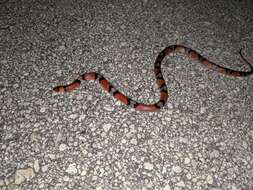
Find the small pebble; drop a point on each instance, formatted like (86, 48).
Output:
(180, 184)
(209, 179)
(148, 166)
(177, 169)
(107, 127)
(73, 116)
(36, 166)
(23, 175)
(63, 147)
(71, 169)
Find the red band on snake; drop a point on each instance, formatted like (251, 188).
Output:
(108, 87)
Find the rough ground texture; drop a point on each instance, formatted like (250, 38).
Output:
(202, 139)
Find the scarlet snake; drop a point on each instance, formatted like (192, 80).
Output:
(107, 86)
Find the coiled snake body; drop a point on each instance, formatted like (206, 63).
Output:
(107, 86)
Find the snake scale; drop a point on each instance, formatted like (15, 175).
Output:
(194, 55)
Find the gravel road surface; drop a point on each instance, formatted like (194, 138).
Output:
(202, 139)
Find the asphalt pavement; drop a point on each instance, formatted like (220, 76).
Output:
(202, 139)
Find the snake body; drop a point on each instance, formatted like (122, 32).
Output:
(107, 86)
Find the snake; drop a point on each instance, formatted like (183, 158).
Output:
(108, 87)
